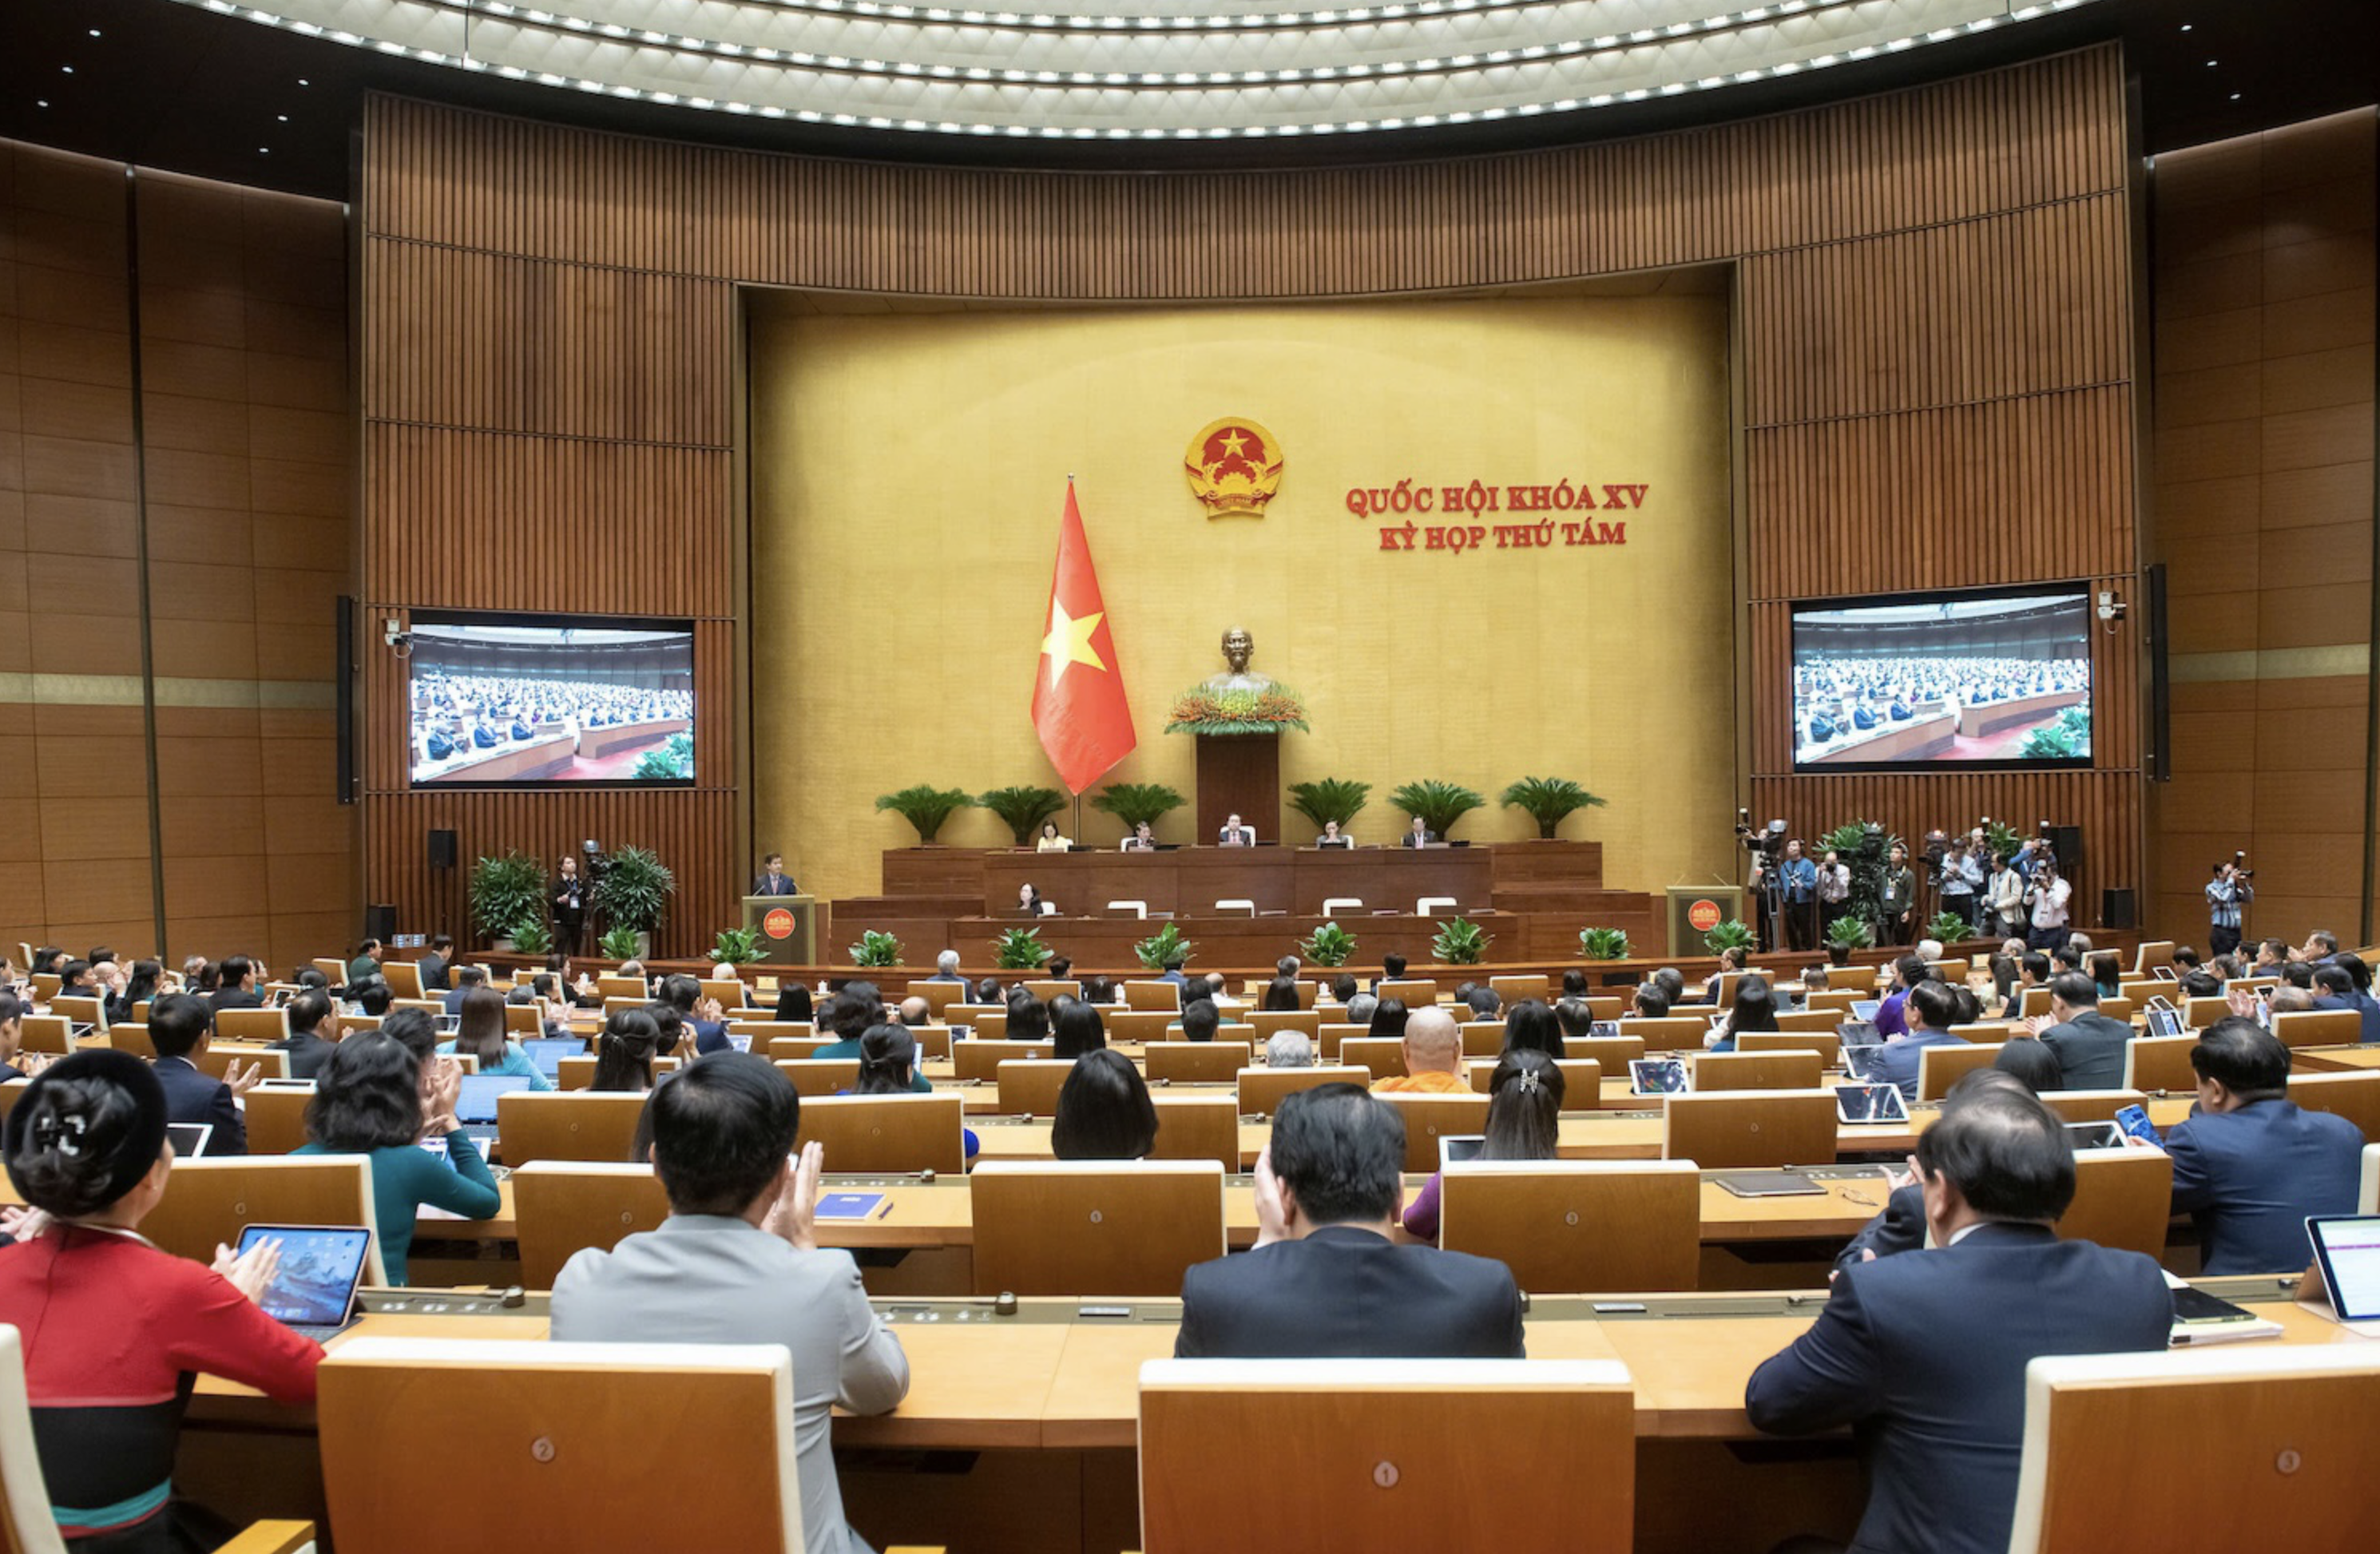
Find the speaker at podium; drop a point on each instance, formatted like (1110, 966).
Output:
(787, 925)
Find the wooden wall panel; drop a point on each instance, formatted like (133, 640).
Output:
(1935, 308)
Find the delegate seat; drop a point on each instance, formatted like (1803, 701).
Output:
(1414, 992)
(276, 1118)
(2091, 1106)
(1381, 1454)
(1430, 1118)
(2160, 1062)
(821, 1077)
(1197, 1127)
(561, 1207)
(208, 1202)
(795, 1049)
(1306, 1022)
(251, 1024)
(2355, 1097)
(921, 1132)
(1793, 1069)
(979, 1057)
(1675, 1033)
(1482, 1039)
(2249, 1448)
(566, 1125)
(1940, 1067)
(1824, 1041)
(1577, 1226)
(1614, 1052)
(1194, 1063)
(2123, 1198)
(2319, 1027)
(1153, 996)
(1730, 1130)
(1382, 1056)
(1513, 989)
(1121, 1228)
(1029, 1086)
(1261, 1089)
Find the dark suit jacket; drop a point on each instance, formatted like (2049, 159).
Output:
(1347, 1294)
(308, 1053)
(2090, 1048)
(1407, 839)
(2364, 1004)
(454, 999)
(783, 885)
(433, 974)
(192, 1095)
(2251, 1177)
(233, 997)
(1899, 1227)
(1924, 1356)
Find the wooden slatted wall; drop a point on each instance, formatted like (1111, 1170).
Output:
(1936, 288)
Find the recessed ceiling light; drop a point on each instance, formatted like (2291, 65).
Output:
(94, 32)
(2210, 64)
(264, 151)
(2235, 97)
(66, 69)
(2185, 26)
(41, 102)
(282, 118)
(303, 82)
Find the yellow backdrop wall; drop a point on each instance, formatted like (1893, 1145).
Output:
(908, 471)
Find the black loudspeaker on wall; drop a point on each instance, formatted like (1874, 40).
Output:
(442, 849)
(380, 921)
(343, 679)
(2068, 841)
(2115, 910)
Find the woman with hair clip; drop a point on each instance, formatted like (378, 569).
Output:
(114, 1328)
(1524, 1102)
(625, 1052)
(1754, 1009)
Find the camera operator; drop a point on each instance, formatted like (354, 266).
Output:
(1834, 890)
(1957, 877)
(1797, 878)
(2048, 895)
(2225, 894)
(1769, 883)
(1899, 896)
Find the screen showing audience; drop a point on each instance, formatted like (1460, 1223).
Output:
(535, 700)
(1996, 679)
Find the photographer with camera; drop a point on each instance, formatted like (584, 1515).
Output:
(1897, 897)
(2226, 893)
(1769, 882)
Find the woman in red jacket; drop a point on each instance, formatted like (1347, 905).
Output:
(115, 1330)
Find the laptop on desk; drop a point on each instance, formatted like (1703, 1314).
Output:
(475, 1105)
(547, 1052)
(2347, 1261)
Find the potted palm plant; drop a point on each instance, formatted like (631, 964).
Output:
(1460, 942)
(633, 892)
(506, 891)
(926, 808)
(1023, 808)
(1548, 801)
(1437, 805)
(1330, 798)
(1134, 802)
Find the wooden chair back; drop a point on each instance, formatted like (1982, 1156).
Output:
(1675, 1034)
(2367, 1195)
(1517, 986)
(2084, 1485)
(762, 1032)
(2199, 1012)
(2122, 1198)
(921, 1132)
(561, 1207)
(218, 1058)
(1729, 1130)
(1430, 1118)
(404, 979)
(1574, 1226)
(1797, 1021)
(1047, 988)
(1029, 1086)
(732, 992)
(209, 1201)
(92, 1012)
(132, 1036)
(1197, 1127)
(53, 1034)
(940, 996)
(821, 1077)
(1798, 1068)
(1094, 1227)
(566, 1125)
(523, 1019)
(2091, 1106)
(991, 1025)
(980, 1058)
(2319, 1027)
(1333, 1034)
(1336, 1429)
(1194, 1063)
(553, 1416)
(1582, 1080)
(1139, 1025)
(2160, 1062)
(1614, 1052)
(1837, 1001)
(2117, 1009)
(792, 1049)
(251, 1024)
(1482, 1039)
(1306, 1022)
(1383, 1056)
(1939, 1067)
(2151, 953)
(1414, 992)
(1261, 1089)
(623, 987)
(276, 1118)
(1826, 1043)
(47, 985)
(1153, 998)
(2355, 1097)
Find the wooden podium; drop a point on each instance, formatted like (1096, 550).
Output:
(797, 943)
(1685, 931)
(1238, 774)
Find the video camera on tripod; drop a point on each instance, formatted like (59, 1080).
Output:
(1768, 841)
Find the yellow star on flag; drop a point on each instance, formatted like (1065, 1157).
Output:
(1069, 641)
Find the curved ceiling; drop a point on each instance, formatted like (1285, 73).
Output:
(1140, 69)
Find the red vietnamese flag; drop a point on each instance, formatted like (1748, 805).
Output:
(1078, 703)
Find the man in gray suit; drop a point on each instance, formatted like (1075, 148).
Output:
(736, 1262)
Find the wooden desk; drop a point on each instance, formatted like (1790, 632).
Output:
(1296, 881)
(597, 743)
(2337, 1060)
(1909, 739)
(530, 761)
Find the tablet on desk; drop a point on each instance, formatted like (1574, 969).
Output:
(2347, 1253)
(1860, 1033)
(1770, 1184)
(1870, 1103)
(547, 1052)
(1860, 1062)
(190, 1139)
(1456, 1147)
(1657, 1076)
(314, 1290)
(2095, 1135)
(1604, 1030)
(2166, 1022)
(1867, 1008)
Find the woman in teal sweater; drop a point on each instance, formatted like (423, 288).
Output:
(369, 1100)
(481, 1036)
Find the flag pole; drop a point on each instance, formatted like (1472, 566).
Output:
(1078, 797)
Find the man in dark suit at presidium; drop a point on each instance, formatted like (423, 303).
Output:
(1326, 1281)
(1923, 1353)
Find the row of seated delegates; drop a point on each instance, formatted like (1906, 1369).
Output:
(113, 1328)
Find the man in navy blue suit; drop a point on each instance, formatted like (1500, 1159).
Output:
(1326, 1280)
(2336, 985)
(1923, 1354)
(2251, 1165)
(179, 1025)
(1931, 1011)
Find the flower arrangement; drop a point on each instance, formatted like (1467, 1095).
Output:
(1209, 711)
